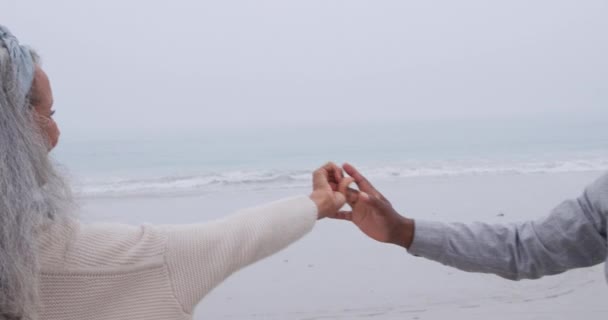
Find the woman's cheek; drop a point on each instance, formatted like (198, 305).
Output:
(53, 133)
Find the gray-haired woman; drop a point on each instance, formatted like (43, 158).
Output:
(54, 267)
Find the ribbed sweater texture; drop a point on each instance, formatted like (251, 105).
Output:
(115, 271)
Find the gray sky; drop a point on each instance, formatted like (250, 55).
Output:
(132, 66)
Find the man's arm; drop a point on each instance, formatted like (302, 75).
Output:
(572, 236)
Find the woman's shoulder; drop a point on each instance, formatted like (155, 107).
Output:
(80, 245)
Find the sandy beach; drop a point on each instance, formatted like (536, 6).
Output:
(337, 273)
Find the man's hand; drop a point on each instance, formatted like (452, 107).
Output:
(326, 181)
(373, 213)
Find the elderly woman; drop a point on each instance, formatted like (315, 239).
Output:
(54, 267)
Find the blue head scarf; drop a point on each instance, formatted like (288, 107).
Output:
(21, 58)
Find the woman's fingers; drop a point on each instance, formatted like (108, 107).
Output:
(352, 196)
(327, 174)
(339, 200)
(338, 173)
(334, 186)
(343, 185)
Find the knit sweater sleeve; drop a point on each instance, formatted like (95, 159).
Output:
(201, 256)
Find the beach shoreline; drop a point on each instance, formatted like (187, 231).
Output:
(337, 273)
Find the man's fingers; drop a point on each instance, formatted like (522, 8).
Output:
(343, 215)
(375, 202)
(353, 172)
(354, 197)
(362, 182)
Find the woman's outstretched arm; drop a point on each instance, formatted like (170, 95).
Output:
(201, 256)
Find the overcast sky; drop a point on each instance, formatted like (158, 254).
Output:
(118, 66)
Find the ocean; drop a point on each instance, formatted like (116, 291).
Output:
(206, 161)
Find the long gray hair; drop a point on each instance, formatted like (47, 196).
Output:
(32, 194)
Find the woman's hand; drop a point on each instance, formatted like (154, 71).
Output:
(326, 181)
(373, 213)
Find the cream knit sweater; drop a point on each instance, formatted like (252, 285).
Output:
(112, 271)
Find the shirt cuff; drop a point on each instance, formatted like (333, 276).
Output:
(429, 239)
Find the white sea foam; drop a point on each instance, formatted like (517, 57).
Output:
(272, 179)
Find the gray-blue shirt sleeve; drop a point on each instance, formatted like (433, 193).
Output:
(572, 236)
